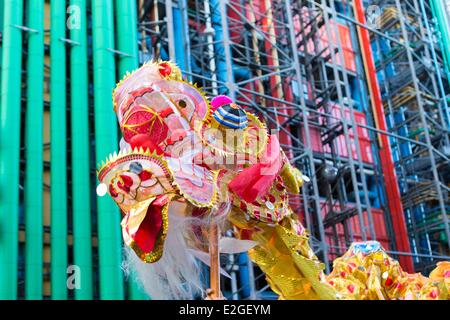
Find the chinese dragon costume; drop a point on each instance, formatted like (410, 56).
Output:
(185, 161)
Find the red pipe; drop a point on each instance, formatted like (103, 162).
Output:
(387, 163)
(276, 85)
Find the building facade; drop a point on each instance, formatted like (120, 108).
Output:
(358, 90)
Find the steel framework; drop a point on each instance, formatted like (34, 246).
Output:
(271, 56)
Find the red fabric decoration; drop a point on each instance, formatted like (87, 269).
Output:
(126, 183)
(145, 141)
(150, 228)
(255, 181)
(143, 121)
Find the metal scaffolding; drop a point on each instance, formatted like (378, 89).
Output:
(288, 62)
(415, 91)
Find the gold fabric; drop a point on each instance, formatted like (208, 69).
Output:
(294, 272)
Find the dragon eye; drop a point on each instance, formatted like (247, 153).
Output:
(182, 104)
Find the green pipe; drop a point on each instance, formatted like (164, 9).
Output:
(10, 147)
(127, 43)
(58, 150)
(33, 191)
(109, 233)
(81, 189)
(439, 11)
(1, 29)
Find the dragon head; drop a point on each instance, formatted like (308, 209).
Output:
(179, 150)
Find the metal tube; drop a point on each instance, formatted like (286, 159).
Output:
(221, 47)
(387, 165)
(209, 31)
(299, 81)
(170, 31)
(2, 4)
(58, 158)
(430, 54)
(33, 190)
(423, 119)
(127, 42)
(255, 48)
(359, 162)
(106, 134)
(10, 147)
(81, 202)
(180, 54)
(439, 11)
(186, 41)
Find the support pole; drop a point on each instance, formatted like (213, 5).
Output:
(106, 139)
(81, 188)
(10, 147)
(33, 190)
(215, 262)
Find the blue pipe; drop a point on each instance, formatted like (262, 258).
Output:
(244, 276)
(180, 53)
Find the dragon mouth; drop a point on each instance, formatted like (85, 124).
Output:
(141, 185)
(145, 228)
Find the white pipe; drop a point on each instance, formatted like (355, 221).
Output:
(209, 31)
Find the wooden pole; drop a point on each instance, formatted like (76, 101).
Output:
(214, 275)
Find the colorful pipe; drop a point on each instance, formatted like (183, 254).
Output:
(255, 47)
(33, 189)
(109, 235)
(219, 48)
(1, 29)
(10, 147)
(81, 188)
(440, 12)
(58, 159)
(210, 47)
(276, 83)
(178, 34)
(127, 44)
(387, 164)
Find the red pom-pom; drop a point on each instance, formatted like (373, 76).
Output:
(145, 175)
(165, 69)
